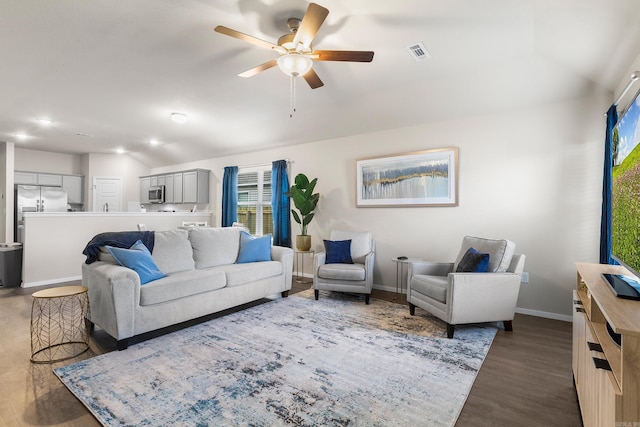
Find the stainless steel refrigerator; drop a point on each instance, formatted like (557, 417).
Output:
(37, 198)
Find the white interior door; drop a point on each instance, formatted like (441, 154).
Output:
(107, 194)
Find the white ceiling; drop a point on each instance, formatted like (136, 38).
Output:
(110, 72)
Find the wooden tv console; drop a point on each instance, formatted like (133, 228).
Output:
(607, 376)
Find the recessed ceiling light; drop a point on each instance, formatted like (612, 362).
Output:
(45, 122)
(179, 117)
(21, 135)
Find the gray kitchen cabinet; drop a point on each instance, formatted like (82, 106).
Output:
(195, 186)
(145, 183)
(73, 186)
(34, 178)
(28, 178)
(191, 186)
(49, 179)
(168, 188)
(177, 187)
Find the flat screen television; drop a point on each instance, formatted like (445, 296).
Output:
(625, 197)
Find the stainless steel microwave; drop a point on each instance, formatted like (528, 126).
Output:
(156, 194)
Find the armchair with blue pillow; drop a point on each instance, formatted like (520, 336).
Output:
(482, 285)
(346, 265)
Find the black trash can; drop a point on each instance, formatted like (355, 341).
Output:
(10, 264)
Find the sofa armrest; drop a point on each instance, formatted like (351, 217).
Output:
(368, 266)
(285, 256)
(429, 268)
(114, 294)
(319, 259)
(482, 297)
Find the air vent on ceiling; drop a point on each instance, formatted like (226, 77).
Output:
(418, 52)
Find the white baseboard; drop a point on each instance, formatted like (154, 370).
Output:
(51, 282)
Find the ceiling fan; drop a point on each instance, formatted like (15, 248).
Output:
(296, 53)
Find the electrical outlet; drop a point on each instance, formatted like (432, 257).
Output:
(525, 277)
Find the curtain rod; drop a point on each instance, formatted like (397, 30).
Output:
(257, 165)
(634, 76)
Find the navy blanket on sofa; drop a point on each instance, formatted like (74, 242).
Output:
(119, 239)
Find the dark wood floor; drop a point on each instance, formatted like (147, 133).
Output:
(525, 380)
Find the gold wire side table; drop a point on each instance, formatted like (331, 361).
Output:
(58, 328)
(300, 266)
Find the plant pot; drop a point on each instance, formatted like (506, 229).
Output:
(303, 242)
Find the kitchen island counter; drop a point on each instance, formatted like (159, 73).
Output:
(53, 241)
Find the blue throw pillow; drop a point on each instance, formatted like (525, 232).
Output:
(254, 249)
(473, 262)
(138, 258)
(338, 251)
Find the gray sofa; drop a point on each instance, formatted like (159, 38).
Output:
(202, 277)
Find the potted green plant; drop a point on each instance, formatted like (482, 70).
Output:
(305, 201)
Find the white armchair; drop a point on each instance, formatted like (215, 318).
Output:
(356, 277)
(469, 297)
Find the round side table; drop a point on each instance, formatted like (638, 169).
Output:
(58, 328)
(402, 271)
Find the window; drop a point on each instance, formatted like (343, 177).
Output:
(254, 201)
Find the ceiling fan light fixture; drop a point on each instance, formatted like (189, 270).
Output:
(294, 64)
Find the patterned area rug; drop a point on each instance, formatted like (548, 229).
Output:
(293, 361)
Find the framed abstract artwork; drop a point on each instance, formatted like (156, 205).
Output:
(422, 178)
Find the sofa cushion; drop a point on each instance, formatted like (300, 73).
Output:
(254, 249)
(361, 243)
(338, 251)
(214, 246)
(500, 252)
(432, 286)
(239, 274)
(137, 258)
(473, 262)
(355, 272)
(172, 251)
(178, 285)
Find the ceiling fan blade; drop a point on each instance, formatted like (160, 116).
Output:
(311, 22)
(342, 55)
(260, 68)
(312, 79)
(245, 37)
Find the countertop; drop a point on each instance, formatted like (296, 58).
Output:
(114, 214)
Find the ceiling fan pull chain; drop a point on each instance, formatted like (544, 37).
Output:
(292, 101)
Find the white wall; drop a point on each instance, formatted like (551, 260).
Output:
(532, 176)
(45, 161)
(7, 150)
(113, 165)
